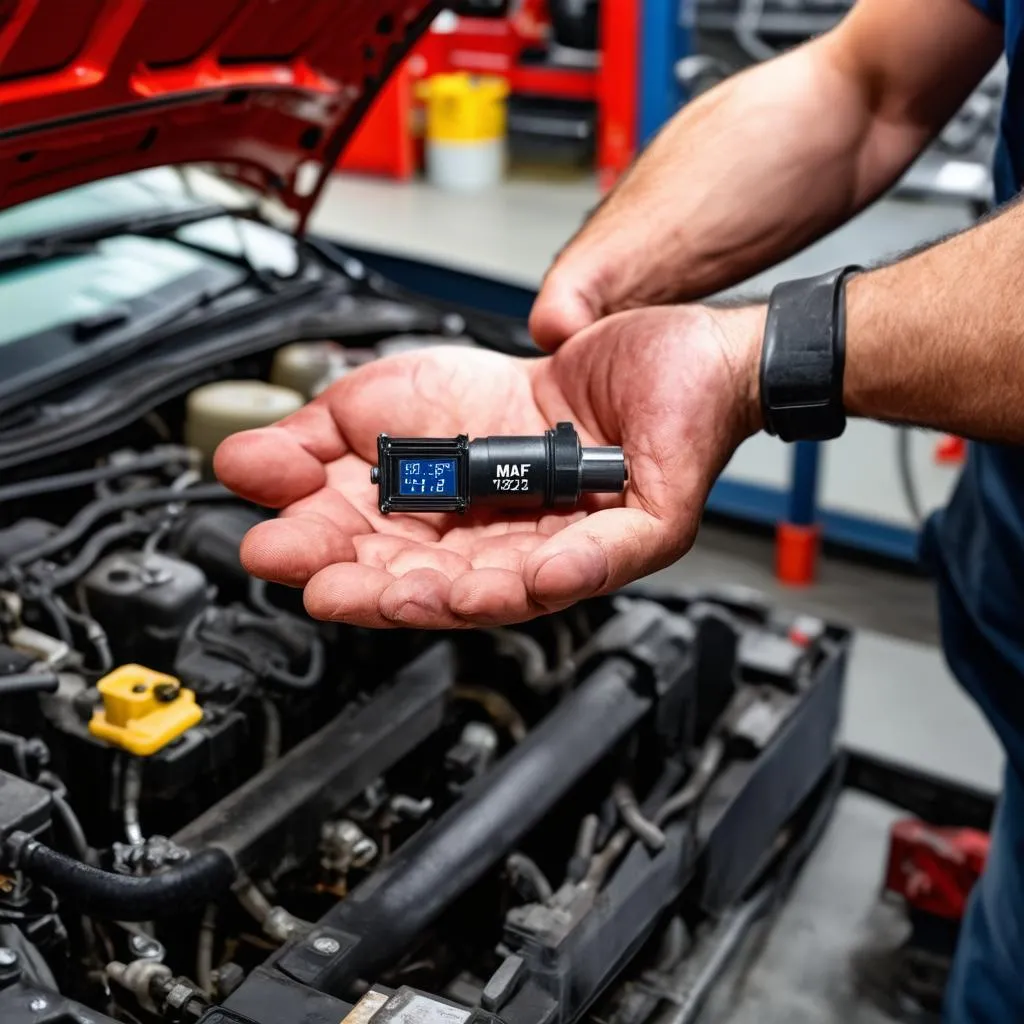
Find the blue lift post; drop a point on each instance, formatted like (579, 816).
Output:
(661, 39)
(803, 487)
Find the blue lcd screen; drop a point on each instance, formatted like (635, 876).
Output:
(426, 476)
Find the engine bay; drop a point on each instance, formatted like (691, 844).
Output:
(214, 808)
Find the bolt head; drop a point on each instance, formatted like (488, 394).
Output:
(8, 958)
(145, 947)
(38, 1004)
(326, 946)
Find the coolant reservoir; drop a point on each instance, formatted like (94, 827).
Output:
(215, 411)
(308, 366)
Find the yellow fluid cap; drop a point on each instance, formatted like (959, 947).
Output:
(464, 108)
(143, 710)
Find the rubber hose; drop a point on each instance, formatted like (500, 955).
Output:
(95, 511)
(94, 475)
(205, 876)
(28, 682)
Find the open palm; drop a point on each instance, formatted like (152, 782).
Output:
(443, 571)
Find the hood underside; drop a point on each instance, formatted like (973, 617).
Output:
(259, 88)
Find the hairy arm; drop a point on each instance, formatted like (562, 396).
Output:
(937, 339)
(771, 160)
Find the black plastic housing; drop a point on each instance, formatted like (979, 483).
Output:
(549, 470)
(390, 450)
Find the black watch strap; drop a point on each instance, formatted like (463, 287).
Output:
(803, 358)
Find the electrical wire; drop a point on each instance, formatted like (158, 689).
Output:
(94, 632)
(629, 810)
(88, 516)
(745, 30)
(155, 459)
(204, 949)
(91, 551)
(76, 834)
(132, 795)
(522, 868)
(703, 773)
(60, 622)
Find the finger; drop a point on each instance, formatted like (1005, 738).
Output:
(348, 592)
(275, 466)
(291, 550)
(564, 307)
(605, 551)
(492, 597)
(420, 599)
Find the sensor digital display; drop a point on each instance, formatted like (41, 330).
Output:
(424, 477)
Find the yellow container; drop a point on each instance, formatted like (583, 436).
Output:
(464, 108)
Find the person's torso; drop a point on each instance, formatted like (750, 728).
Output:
(977, 543)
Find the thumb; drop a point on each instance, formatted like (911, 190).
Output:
(563, 307)
(603, 552)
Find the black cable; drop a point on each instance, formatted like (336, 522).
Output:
(91, 551)
(73, 828)
(60, 620)
(94, 475)
(91, 513)
(28, 682)
(205, 876)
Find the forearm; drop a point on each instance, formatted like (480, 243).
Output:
(764, 164)
(937, 339)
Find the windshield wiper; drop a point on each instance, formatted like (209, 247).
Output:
(82, 239)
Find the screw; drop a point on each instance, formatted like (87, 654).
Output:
(166, 693)
(38, 1004)
(8, 958)
(145, 947)
(326, 945)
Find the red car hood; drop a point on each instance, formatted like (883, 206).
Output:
(93, 88)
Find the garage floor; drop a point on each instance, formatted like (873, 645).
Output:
(902, 703)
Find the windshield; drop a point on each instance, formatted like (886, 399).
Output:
(145, 193)
(88, 274)
(116, 271)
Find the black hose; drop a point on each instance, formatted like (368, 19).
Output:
(91, 551)
(60, 621)
(94, 475)
(28, 682)
(205, 876)
(96, 510)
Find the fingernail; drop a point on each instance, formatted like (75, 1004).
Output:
(571, 574)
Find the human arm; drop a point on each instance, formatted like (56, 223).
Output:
(771, 160)
(937, 339)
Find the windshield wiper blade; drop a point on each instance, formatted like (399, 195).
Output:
(26, 252)
(82, 239)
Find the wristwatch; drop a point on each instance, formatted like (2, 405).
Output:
(803, 358)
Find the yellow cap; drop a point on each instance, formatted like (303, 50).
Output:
(143, 710)
(464, 108)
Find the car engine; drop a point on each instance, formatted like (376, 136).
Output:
(214, 808)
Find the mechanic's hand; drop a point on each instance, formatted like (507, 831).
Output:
(633, 250)
(675, 386)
